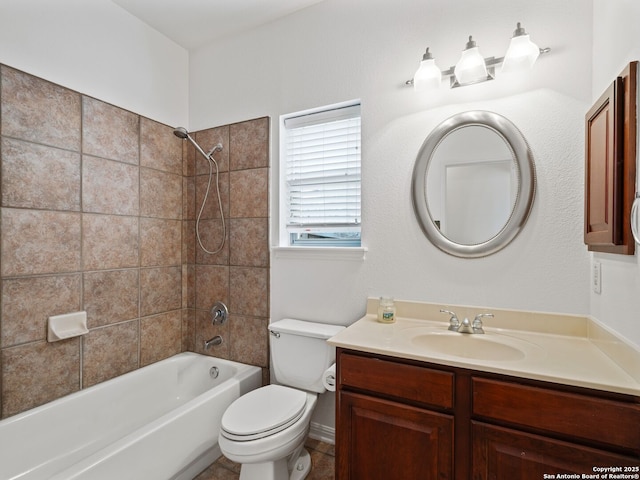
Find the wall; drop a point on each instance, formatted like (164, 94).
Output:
(239, 274)
(355, 49)
(99, 49)
(98, 214)
(614, 45)
(91, 220)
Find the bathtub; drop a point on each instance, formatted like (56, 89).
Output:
(158, 422)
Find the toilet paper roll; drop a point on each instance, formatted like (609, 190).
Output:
(329, 378)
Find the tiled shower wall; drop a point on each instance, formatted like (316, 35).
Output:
(97, 214)
(239, 274)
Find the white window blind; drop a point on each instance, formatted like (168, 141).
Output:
(322, 155)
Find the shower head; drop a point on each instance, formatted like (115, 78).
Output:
(181, 132)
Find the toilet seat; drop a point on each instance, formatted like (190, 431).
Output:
(263, 412)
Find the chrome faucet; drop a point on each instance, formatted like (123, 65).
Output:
(454, 323)
(466, 326)
(217, 340)
(477, 322)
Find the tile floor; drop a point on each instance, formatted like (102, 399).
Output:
(322, 461)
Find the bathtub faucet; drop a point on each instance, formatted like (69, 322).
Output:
(217, 340)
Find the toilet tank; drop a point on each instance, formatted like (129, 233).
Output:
(300, 353)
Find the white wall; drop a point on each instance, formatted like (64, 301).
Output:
(615, 43)
(347, 49)
(97, 48)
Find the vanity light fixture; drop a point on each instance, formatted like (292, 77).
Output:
(473, 67)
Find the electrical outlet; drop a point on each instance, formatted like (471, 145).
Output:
(596, 280)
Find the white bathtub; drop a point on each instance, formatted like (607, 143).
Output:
(159, 422)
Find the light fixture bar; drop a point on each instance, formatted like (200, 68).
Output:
(474, 68)
(490, 62)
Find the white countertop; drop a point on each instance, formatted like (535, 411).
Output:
(557, 348)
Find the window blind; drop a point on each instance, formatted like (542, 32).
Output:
(323, 171)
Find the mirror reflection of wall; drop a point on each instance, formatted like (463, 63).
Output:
(472, 184)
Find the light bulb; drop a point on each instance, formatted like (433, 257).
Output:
(522, 52)
(471, 67)
(428, 76)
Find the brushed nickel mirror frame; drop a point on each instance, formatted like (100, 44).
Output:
(526, 176)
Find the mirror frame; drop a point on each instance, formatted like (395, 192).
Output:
(526, 175)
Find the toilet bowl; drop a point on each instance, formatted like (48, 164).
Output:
(265, 430)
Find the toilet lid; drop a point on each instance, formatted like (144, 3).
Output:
(263, 412)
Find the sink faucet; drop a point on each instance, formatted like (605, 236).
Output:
(466, 326)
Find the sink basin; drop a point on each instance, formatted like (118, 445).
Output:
(491, 347)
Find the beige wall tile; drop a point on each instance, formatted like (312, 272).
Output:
(188, 330)
(188, 198)
(249, 340)
(160, 194)
(110, 296)
(211, 206)
(188, 158)
(36, 373)
(248, 193)
(249, 144)
(207, 139)
(36, 176)
(189, 241)
(160, 336)
(211, 237)
(160, 290)
(159, 147)
(109, 132)
(109, 187)
(205, 331)
(39, 111)
(53, 244)
(249, 291)
(109, 241)
(212, 285)
(27, 302)
(109, 352)
(249, 242)
(160, 242)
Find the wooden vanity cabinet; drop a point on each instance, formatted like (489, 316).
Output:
(394, 420)
(610, 166)
(402, 419)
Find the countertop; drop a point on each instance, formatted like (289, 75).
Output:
(569, 350)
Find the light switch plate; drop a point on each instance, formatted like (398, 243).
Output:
(596, 280)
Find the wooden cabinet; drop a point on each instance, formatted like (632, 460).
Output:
(506, 454)
(403, 419)
(386, 439)
(610, 166)
(394, 420)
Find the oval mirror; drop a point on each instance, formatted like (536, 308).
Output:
(473, 184)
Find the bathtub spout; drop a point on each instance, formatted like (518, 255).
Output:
(217, 340)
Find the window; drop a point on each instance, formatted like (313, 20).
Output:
(320, 159)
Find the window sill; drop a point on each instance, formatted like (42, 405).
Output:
(321, 253)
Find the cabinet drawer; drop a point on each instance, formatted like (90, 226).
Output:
(597, 420)
(408, 382)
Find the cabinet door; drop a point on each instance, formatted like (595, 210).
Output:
(610, 166)
(603, 169)
(378, 439)
(504, 454)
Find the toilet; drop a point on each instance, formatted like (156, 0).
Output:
(265, 429)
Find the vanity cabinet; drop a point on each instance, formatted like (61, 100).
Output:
(389, 427)
(610, 166)
(404, 419)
